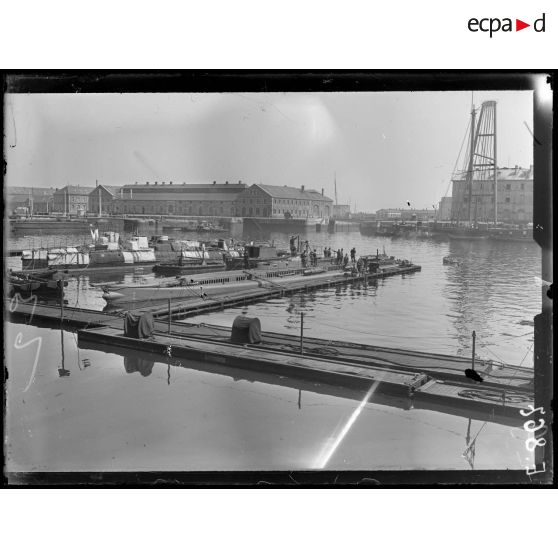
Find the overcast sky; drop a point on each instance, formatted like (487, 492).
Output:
(385, 148)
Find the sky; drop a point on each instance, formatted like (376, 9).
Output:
(383, 148)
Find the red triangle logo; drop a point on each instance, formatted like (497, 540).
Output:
(519, 25)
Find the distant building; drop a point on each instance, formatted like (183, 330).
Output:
(405, 214)
(178, 199)
(71, 200)
(106, 195)
(280, 202)
(444, 209)
(35, 200)
(342, 211)
(515, 197)
(386, 214)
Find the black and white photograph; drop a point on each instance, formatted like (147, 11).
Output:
(343, 280)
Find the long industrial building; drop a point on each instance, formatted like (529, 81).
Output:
(178, 199)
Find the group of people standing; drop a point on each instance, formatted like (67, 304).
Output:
(343, 259)
(309, 256)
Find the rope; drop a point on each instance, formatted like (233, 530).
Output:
(493, 395)
(528, 351)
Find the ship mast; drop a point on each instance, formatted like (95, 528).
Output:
(471, 157)
(335, 182)
(482, 161)
(495, 173)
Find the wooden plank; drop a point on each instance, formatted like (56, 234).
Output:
(502, 401)
(424, 393)
(444, 367)
(247, 357)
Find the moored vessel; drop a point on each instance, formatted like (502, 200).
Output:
(107, 251)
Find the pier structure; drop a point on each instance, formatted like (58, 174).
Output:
(426, 381)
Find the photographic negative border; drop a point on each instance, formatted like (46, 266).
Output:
(339, 81)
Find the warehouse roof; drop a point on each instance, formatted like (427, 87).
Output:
(28, 190)
(114, 190)
(180, 196)
(184, 186)
(76, 190)
(288, 192)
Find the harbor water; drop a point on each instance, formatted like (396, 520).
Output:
(144, 415)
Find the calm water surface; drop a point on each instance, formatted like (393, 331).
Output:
(115, 412)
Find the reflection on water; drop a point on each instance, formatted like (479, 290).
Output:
(134, 363)
(128, 414)
(131, 412)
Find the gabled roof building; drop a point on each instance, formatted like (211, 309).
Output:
(71, 200)
(280, 202)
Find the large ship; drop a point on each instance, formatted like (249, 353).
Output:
(511, 234)
(203, 286)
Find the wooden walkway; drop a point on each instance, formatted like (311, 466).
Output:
(496, 403)
(274, 362)
(306, 284)
(47, 314)
(439, 366)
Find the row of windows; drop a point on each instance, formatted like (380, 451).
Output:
(191, 210)
(491, 200)
(490, 186)
(277, 202)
